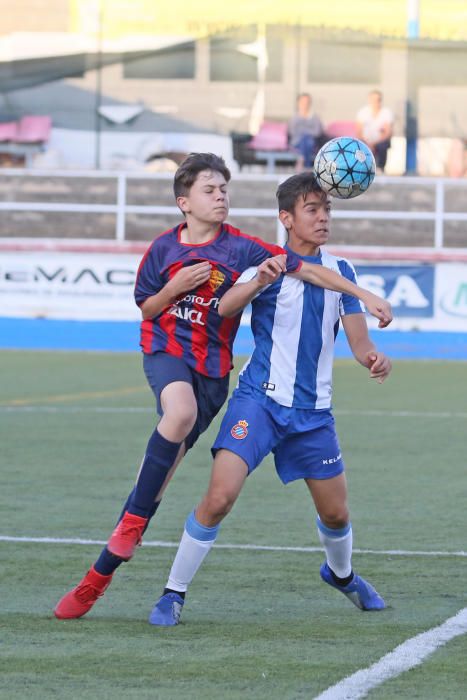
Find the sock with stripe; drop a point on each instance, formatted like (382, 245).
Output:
(337, 544)
(194, 546)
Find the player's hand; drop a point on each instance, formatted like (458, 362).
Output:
(379, 365)
(380, 308)
(271, 269)
(190, 277)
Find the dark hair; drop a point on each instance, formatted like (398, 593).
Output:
(195, 163)
(294, 187)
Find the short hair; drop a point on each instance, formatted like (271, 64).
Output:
(190, 168)
(295, 187)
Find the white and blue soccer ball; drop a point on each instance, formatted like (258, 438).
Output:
(344, 167)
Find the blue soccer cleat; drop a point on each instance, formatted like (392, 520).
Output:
(359, 591)
(167, 610)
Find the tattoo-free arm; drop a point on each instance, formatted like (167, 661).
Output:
(328, 279)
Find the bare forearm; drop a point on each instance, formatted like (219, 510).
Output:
(328, 279)
(239, 296)
(360, 349)
(153, 306)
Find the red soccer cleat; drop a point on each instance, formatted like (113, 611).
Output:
(127, 536)
(80, 600)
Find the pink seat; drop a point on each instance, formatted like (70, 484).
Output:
(341, 128)
(272, 136)
(34, 129)
(8, 131)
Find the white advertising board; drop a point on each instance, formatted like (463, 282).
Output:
(77, 286)
(99, 286)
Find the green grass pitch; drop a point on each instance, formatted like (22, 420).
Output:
(257, 623)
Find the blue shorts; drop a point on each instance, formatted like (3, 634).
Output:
(211, 393)
(303, 441)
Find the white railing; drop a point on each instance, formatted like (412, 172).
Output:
(121, 208)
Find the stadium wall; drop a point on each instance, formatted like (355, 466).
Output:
(84, 301)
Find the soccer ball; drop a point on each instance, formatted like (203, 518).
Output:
(344, 167)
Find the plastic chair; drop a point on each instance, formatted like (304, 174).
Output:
(8, 131)
(272, 136)
(34, 129)
(341, 128)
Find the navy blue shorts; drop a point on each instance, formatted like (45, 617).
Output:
(303, 441)
(211, 393)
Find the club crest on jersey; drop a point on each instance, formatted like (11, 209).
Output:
(216, 279)
(240, 430)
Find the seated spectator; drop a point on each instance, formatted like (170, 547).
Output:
(457, 158)
(305, 132)
(374, 127)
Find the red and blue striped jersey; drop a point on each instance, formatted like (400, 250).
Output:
(191, 328)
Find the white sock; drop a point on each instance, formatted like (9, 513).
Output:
(338, 547)
(194, 546)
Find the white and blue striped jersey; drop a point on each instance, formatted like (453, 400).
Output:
(295, 324)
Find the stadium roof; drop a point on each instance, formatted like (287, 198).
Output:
(439, 19)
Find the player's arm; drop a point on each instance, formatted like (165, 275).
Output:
(185, 280)
(323, 277)
(363, 348)
(240, 295)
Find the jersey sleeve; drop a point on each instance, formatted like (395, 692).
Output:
(349, 304)
(258, 250)
(247, 275)
(148, 280)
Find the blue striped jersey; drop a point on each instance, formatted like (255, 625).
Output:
(295, 324)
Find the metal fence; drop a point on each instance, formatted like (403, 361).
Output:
(438, 214)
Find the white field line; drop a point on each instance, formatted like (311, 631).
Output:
(251, 547)
(148, 409)
(407, 655)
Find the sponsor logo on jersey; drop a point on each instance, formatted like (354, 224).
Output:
(191, 315)
(201, 301)
(268, 386)
(240, 430)
(216, 279)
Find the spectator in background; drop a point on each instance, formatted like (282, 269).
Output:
(305, 131)
(457, 158)
(374, 127)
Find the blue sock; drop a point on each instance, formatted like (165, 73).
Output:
(160, 456)
(107, 563)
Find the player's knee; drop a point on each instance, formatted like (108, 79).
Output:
(335, 518)
(182, 418)
(220, 503)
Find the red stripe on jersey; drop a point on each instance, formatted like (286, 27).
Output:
(168, 322)
(270, 247)
(225, 333)
(200, 341)
(227, 330)
(146, 336)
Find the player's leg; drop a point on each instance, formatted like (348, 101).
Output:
(314, 455)
(201, 528)
(171, 382)
(335, 534)
(334, 527)
(246, 436)
(126, 536)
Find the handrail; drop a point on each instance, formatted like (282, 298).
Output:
(120, 208)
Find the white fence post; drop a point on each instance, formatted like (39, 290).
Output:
(121, 207)
(439, 213)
